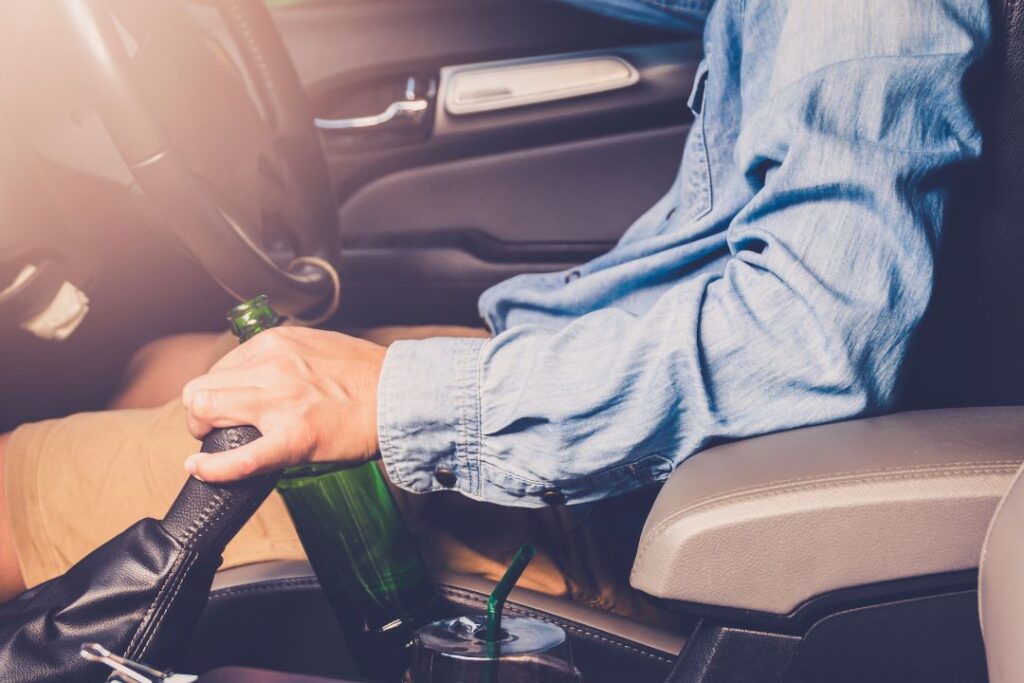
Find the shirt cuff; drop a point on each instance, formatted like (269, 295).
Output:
(428, 415)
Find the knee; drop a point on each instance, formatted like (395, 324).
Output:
(191, 348)
(159, 370)
(151, 353)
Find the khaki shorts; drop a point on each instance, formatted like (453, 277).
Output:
(73, 483)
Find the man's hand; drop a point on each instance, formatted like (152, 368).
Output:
(313, 395)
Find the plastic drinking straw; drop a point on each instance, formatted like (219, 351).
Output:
(496, 603)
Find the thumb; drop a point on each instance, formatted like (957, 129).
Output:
(265, 454)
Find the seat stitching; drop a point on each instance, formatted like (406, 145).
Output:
(211, 519)
(202, 517)
(267, 585)
(857, 473)
(850, 473)
(311, 582)
(165, 607)
(153, 605)
(758, 493)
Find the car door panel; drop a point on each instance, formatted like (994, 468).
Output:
(444, 232)
(434, 212)
(335, 41)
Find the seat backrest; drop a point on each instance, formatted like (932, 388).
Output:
(1001, 586)
(970, 350)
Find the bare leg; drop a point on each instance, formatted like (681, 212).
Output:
(11, 581)
(159, 370)
(155, 375)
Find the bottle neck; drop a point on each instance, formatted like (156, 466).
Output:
(248, 333)
(252, 317)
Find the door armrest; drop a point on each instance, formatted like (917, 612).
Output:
(768, 523)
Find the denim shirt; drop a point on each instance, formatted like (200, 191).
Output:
(777, 284)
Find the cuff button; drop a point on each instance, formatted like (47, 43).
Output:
(445, 477)
(553, 497)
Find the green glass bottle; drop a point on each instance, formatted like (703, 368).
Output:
(251, 317)
(360, 548)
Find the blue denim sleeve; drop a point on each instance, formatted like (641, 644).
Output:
(684, 16)
(848, 155)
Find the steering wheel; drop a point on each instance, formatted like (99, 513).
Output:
(243, 185)
(240, 181)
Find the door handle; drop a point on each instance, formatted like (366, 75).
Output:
(408, 112)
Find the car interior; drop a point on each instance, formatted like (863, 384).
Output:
(164, 159)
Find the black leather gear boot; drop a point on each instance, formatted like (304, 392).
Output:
(140, 594)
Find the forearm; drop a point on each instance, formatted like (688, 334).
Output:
(612, 402)
(849, 154)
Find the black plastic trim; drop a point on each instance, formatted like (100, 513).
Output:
(483, 246)
(935, 638)
(231, 633)
(724, 654)
(819, 606)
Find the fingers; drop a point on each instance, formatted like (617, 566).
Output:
(230, 406)
(262, 455)
(237, 357)
(222, 379)
(275, 339)
(301, 388)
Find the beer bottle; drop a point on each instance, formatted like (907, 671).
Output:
(357, 542)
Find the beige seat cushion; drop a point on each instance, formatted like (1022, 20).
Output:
(768, 523)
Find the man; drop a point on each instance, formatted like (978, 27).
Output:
(777, 284)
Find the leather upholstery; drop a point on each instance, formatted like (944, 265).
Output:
(139, 594)
(766, 524)
(281, 574)
(1002, 589)
(118, 596)
(213, 514)
(304, 637)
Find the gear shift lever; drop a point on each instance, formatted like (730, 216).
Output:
(141, 593)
